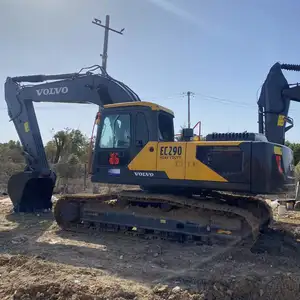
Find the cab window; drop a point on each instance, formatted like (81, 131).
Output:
(115, 132)
(141, 130)
(165, 127)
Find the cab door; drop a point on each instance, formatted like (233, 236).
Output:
(144, 150)
(113, 146)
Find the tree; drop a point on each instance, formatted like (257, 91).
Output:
(51, 151)
(79, 144)
(66, 142)
(67, 154)
(71, 168)
(12, 161)
(296, 149)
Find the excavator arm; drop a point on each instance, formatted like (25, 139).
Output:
(32, 189)
(274, 103)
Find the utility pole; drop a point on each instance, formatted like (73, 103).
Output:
(189, 108)
(105, 44)
(106, 32)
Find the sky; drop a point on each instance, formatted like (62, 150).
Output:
(219, 50)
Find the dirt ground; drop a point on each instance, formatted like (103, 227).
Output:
(39, 261)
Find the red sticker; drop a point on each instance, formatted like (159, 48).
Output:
(114, 159)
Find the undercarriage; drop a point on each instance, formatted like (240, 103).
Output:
(209, 218)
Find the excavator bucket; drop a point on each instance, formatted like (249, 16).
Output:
(29, 193)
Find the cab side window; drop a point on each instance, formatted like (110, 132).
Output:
(141, 130)
(165, 128)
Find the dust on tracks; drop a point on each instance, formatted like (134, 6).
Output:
(38, 261)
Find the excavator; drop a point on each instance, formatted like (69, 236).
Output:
(208, 191)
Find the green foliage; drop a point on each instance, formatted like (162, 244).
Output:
(297, 172)
(67, 153)
(11, 160)
(51, 150)
(73, 159)
(296, 149)
(66, 142)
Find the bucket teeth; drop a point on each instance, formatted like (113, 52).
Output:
(29, 193)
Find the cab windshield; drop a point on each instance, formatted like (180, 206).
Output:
(115, 132)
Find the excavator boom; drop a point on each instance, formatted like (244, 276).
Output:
(274, 103)
(32, 189)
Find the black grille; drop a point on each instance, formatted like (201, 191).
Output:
(235, 136)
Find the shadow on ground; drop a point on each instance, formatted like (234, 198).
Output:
(126, 257)
(141, 260)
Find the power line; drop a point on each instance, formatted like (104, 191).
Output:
(224, 100)
(238, 103)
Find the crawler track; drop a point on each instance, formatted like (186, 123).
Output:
(208, 218)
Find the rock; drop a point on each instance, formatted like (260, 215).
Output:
(19, 239)
(40, 295)
(176, 289)
(198, 297)
(54, 199)
(261, 292)
(17, 294)
(160, 288)
(274, 204)
(297, 206)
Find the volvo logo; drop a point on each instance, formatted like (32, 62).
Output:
(143, 174)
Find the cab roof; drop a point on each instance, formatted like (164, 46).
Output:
(151, 105)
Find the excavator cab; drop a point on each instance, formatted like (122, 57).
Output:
(124, 130)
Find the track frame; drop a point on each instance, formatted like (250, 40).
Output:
(210, 218)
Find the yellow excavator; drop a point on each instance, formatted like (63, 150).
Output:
(189, 190)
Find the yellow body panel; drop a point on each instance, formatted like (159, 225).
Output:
(196, 170)
(171, 159)
(146, 159)
(177, 160)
